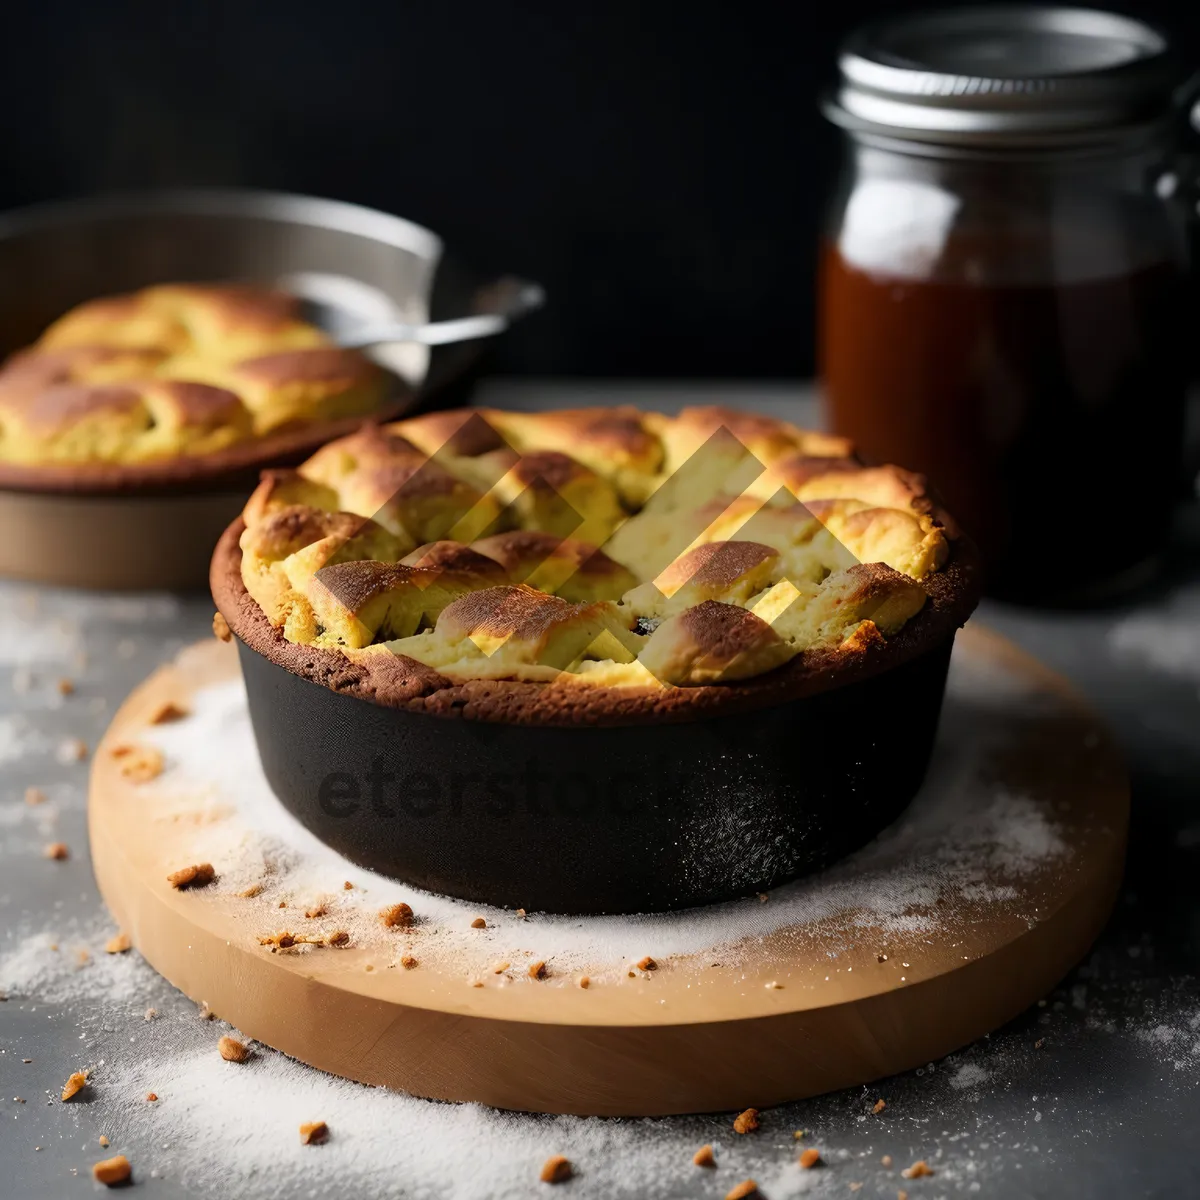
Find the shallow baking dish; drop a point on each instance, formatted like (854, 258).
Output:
(154, 525)
(731, 790)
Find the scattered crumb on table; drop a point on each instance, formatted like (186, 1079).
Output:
(746, 1122)
(556, 1169)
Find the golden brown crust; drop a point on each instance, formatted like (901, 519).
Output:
(500, 612)
(568, 567)
(716, 565)
(712, 643)
(355, 584)
(616, 443)
(462, 432)
(865, 572)
(122, 388)
(454, 556)
(396, 681)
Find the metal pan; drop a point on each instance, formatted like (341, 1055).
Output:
(616, 819)
(119, 533)
(635, 814)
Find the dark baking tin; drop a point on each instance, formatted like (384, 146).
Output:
(632, 818)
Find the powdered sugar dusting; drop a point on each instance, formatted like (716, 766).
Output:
(248, 1116)
(223, 1129)
(1178, 1041)
(68, 962)
(969, 1075)
(19, 739)
(1166, 639)
(965, 835)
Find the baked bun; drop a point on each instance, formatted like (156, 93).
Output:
(263, 370)
(378, 473)
(131, 421)
(713, 643)
(566, 567)
(530, 549)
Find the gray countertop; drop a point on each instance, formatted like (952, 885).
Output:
(1090, 1094)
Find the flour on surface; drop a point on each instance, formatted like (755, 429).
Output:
(964, 835)
(1166, 639)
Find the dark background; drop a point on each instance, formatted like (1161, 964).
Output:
(660, 167)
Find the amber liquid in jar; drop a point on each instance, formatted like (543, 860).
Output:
(1049, 417)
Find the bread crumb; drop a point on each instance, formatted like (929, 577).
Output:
(408, 962)
(799, 1134)
(204, 1012)
(479, 923)
(281, 904)
(398, 916)
(151, 1097)
(763, 897)
(57, 851)
(501, 967)
(117, 944)
(537, 970)
(704, 1156)
(348, 886)
(476, 982)
(856, 1187)
(886, 1160)
(1039, 1043)
(878, 1107)
(317, 910)
(647, 964)
(521, 914)
(556, 1169)
(111, 1171)
(103, 1140)
(585, 982)
(810, 1158)
(774, 986)
(918, 1170)
(221, 630)
(255, 889)
(197, 875)
(34, 796)
(71, 750)
(150, 1014)
(231, 1050)
(746, 1122)
(279, 941)
(744, 1191)
(339, 937)
(75, 1084)
(881, 958)
(901, 1195)
(167, 712)
(65, 687)
(83, 957)
(139, 764)
(312, 1133)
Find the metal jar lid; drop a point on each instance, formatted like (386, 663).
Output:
(1005, 76)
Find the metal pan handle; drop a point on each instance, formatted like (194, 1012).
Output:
(329, 302)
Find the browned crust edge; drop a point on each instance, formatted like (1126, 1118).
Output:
(235, 466)
(401, 682)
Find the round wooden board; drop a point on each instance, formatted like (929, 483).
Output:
(787, 1013)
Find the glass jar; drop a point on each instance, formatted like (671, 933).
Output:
(1004, 299)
